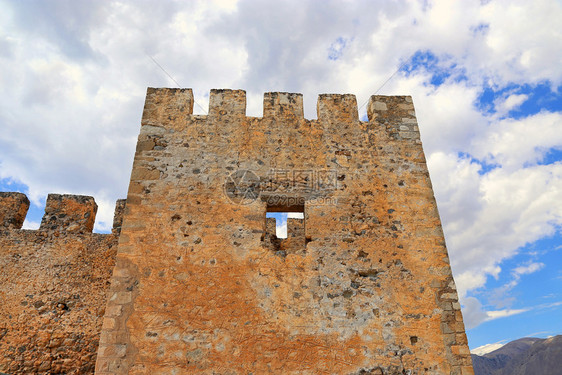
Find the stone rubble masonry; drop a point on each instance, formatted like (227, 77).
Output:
(118, 217)
(13, 209)
(69, 213)
(53, 285)
(201, 285)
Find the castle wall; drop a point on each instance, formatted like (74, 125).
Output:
(197, 287)
(53, 285)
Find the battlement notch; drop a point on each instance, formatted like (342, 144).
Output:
(71, 213)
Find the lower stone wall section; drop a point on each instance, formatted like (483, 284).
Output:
(52, 297)
(53, 285)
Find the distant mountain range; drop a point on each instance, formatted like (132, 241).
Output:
(526, 356)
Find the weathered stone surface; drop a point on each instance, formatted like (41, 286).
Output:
(53, 286)
(201, 285)
(13, 208)
(118, 217)
(69, 213)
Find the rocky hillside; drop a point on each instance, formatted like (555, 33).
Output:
(526, 356)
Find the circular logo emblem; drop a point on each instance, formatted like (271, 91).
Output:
(242, 187)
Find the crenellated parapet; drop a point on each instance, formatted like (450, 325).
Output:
(165, 107)
(63, 212)
(282, 136)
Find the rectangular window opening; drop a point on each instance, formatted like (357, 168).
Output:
(284, 218)
(285, 226)
(284, 222)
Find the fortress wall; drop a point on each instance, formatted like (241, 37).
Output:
(196, 286)
(53, 285)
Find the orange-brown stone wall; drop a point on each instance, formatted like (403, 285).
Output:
(53, 286)
(196, 286)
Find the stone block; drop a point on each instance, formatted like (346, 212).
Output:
(70, 213)
(13, 209)
(283, 105)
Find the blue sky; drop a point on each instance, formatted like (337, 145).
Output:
(485, 77)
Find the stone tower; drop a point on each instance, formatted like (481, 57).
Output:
(361, 285)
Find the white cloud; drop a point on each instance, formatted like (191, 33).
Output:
(520, 37)
(501, 297)
(506, 104)
(27, 224)
(447, 116)
(488, 217)
(528, 269)
(495, 314)
(516, 143)
(474, 313)
(550, 305)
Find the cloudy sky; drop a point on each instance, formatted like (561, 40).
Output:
(485, 77)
